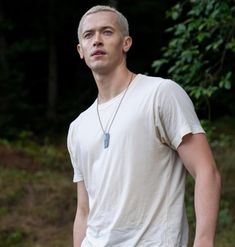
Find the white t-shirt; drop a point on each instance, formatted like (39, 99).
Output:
(135, 186)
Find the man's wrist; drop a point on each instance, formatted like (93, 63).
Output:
(203, 243)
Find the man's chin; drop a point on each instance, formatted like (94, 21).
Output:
(100, 69)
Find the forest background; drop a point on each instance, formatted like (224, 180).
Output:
(44, 86)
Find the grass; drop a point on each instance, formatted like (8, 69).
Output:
(38, 198)
(36, 209)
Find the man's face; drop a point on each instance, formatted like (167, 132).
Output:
(101, 43)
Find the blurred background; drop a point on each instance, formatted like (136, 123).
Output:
(44, 86)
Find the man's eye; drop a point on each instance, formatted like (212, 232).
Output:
(87, 35)
(108, 32)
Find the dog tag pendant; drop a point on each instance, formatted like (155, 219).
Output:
(106, 140)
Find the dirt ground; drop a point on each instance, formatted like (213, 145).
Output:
(37, 205)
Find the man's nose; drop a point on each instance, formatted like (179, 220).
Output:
(97, 39)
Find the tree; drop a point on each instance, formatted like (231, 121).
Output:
(41, 76)
(52, 63)
(200, 54)
(3, 45)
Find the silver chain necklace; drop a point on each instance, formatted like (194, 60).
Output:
(106, 131)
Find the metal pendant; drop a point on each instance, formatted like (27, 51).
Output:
(106, 139)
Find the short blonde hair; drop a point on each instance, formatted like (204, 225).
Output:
(122, 21)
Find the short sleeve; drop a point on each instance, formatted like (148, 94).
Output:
(175, 115)
(74, 153)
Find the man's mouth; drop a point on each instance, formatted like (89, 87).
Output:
(98, 53)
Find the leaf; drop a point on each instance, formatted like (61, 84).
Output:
(157, 64)
(180, 28)
(174, 12)
(225, 82)
(202, 36)
(231, 45)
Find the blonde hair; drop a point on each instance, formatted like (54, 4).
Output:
(121, 19)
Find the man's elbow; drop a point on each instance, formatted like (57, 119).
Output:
(213, 175)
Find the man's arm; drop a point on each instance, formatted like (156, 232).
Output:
(197, 157)
(80, 222)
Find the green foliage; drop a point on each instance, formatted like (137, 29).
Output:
(225, 217)
(47, 154)
(11, 239)
(202, 45)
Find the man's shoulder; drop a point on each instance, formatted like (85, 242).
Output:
(83, 115)
(155, 80)
(149, 78)
(162, 85)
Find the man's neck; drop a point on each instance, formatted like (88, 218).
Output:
(112, 84)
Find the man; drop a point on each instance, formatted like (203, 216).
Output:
(130, 150)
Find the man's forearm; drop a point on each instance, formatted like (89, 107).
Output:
(79, 229)
(207, 194)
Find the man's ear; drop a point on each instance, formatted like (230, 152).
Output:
(127, 43)
(79, 49)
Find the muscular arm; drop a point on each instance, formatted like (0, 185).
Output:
(80, 222)
(198, 160)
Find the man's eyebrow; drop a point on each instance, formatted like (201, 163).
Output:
(106, 27)
(101, 28)
(87, 31)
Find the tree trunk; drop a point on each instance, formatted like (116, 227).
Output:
(52, 80)
(3, 47)
(52, 66)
